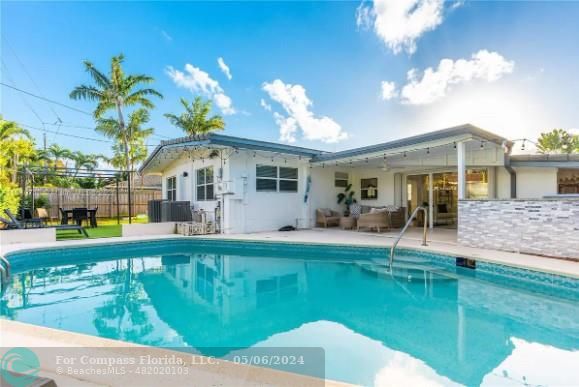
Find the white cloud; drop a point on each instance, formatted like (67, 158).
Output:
(198, 81)
(435, 83)
(224, 68)
(297, 105)
(265, 105)
(388, 90)
(400, 23)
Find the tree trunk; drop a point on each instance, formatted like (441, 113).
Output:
(15, 168)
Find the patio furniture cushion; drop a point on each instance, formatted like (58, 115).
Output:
(324, 220)
(377, 220)
(355, 210)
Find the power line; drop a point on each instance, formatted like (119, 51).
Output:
(76, 136)
(7, 71)
(78, 126)
(25, 70)
(45, 99)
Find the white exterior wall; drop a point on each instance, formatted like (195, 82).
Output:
(186, 186)
(324, 193)
(503, 178)
(252, 211)
(534, 183)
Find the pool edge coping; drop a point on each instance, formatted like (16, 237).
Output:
(405, 245)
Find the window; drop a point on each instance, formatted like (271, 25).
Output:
(477, 183)
(205, 187)
(270, 178)
(172, 188)
(369, 188)
(340, 179)
(568, 180)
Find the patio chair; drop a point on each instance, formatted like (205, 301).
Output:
(14, 223)
(377, 219)
(93, 217)
(79, 215)
(41, 213)
(28, 221)
(8, 224)
(63, 216)
(326, 217)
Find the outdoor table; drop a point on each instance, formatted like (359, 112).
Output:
(91, 215)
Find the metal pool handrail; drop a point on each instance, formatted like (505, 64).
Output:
(4, 272)
(414, 213)
(6, 264)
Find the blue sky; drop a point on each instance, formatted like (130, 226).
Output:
(319, 67)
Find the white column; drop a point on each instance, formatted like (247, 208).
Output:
(430, 201)
(461, 162)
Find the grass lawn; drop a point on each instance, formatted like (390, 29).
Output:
(107, 228)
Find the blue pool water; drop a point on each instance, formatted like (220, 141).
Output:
(430, 324)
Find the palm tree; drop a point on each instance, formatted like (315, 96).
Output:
(116, 91)
(137, 149)
(194, 119)
(10, 130)
(61, 156)
(87, 161)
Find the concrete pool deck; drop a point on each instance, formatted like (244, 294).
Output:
(48, 343)
(440, 240)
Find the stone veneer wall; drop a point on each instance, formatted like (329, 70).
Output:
(547, 227)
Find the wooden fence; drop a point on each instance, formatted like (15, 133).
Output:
(104, 199)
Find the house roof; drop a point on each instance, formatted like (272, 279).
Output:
(453, 132)
(220, 140)
(546, 160)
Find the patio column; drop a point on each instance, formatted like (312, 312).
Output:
(461, 163)
(430, 200)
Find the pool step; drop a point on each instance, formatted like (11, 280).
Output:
(408, 271)
(403, 258)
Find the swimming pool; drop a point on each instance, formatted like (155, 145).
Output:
(430, 323)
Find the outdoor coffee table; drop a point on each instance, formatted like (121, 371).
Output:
(347, 222)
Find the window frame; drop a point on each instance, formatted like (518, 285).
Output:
(171, 190)
(204, 184)
(277, 179)
(343, 178)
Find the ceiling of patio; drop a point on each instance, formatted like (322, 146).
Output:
(423, 157)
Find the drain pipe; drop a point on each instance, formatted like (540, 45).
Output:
(507, 162)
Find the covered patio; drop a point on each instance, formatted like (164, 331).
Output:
(433, 170)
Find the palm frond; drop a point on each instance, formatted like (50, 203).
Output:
(86, 92)
(100, 79)
(102, 108)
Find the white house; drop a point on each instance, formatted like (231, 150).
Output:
(262, 186)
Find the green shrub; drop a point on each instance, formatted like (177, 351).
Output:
(9, 198)
(40, 201)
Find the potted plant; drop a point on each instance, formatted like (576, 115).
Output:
(347, 197)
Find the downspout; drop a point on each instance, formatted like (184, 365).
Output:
(510, 170)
